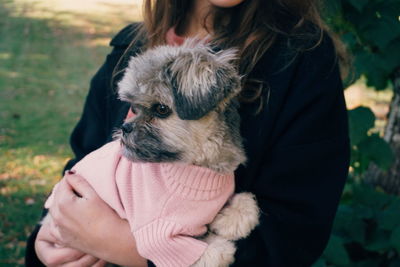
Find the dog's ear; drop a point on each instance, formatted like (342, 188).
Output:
(202, 82)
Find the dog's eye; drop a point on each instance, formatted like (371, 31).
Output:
(133, 110)
(161, 111)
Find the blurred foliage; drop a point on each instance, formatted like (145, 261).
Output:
(366, 231)
(367, 147)
(371, 30)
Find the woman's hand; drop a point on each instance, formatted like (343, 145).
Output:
(85, 222)
(52, 253)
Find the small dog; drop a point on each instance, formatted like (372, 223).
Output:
(185, 106)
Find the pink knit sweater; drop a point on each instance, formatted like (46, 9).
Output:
(166, 204)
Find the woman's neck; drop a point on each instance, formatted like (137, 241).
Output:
(194, 23)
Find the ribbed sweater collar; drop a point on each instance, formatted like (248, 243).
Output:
(195, 182)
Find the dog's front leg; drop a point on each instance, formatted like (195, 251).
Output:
(219, 253)
(238, 218)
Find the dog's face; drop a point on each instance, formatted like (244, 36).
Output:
(182, 100)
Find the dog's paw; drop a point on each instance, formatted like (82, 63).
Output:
(238, 218)
(219, 253)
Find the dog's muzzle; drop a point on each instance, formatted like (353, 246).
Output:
(126, 128)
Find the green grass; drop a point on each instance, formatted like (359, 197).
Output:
(46, 61)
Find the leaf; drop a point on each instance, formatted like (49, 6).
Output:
(367, 263)
(395, 263)
(379, 240)
(376, 29)
(391, 55)
(358, 4)
(367, 196)
(389, 219)
(377, 78)
(357, 19)
(335, 252)
(333, 8)
(349, 225)
(361, 119)
(378, 32)
(377, 150)
(29, 201)
(373, 66)
(395, 239)
(363, 212)
(319, 263)
(350, 39)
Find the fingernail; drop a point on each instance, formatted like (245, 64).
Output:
(71, 171)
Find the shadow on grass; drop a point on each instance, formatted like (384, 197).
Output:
(45, 68)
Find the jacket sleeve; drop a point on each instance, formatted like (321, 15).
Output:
(301, 174)
(91, 132)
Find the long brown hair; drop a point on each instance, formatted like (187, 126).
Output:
(252, 26)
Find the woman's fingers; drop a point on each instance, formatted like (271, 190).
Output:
(59, 196)
(54, 231)
(85, 261)
(100, 263)
(66, 190)
(79, 186)
(70, 189)
(59, 256)
(84, 223)
(52, 254)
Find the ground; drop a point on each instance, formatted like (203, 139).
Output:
(49, 50)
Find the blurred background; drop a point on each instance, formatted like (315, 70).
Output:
(49, 50)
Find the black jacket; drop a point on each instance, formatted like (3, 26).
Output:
(297, 147)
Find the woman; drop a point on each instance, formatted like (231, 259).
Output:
(294, 123)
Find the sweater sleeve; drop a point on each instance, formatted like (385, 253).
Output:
(167, 243)
(300, 175)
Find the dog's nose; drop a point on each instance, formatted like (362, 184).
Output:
(127, 128)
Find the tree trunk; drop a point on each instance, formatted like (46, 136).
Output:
(390, 180)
